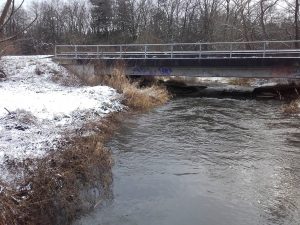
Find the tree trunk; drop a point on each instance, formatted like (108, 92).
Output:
(262, 22)
(5, 12)
(296, 23)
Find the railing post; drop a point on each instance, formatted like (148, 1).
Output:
(98, 55)
(55, 51)
(121, 49)
(75, 51)
(172, 50)
(145, 53)
(200, 51)
(264, 53)
(230, 50)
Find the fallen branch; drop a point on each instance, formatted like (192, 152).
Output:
(9, 112)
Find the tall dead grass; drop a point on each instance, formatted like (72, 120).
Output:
(136, 97)
(51, 190)
(292, 108)
(241, 81)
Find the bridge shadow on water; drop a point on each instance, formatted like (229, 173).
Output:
(280, 91)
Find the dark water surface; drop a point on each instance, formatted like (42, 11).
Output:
(205, 161)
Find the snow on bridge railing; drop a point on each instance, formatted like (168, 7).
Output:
(253, 49)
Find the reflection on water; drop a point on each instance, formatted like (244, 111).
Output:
(206, 161)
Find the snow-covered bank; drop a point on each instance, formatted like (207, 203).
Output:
(231, 81)
(37, 108)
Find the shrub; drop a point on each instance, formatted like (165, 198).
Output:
(137, 98)
(292, 107)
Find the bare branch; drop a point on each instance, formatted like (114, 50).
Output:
(20, 32)
(13, 12)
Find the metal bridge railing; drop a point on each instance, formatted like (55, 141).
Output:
(253, 49)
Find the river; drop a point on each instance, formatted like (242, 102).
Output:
(205, 161)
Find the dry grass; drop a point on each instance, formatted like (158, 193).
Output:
(292, 107)
(51, 191)
(137, 98)
(70, 81)
(145, 98)
(24, 117)
(241, 81)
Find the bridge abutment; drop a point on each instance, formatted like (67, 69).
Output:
(236, 68)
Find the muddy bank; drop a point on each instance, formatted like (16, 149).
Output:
(276, 91)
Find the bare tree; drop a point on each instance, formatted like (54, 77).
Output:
(297, 35)
(4, 18)
(8, 12)
(265, 6)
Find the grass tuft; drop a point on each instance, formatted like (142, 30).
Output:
(136, 97)
(145, 98)
(292, 108)
(241, 81)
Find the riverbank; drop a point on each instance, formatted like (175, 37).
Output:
(53, 129)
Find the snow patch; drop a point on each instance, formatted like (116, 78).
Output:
(35, 112)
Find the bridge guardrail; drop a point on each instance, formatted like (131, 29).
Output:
(253, 49)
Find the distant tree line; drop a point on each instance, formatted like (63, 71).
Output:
(158, 21)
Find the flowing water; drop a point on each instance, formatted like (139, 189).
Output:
(205, 161)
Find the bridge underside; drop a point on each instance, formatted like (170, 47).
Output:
(233, 67)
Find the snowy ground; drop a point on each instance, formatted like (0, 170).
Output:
(224, 81)
(36, 109)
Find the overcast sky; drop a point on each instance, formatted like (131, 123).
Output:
(26, 2)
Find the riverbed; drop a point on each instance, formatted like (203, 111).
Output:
(205, 161)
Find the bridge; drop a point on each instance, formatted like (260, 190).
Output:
(257, 59)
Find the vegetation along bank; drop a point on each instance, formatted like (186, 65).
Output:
(54, 125)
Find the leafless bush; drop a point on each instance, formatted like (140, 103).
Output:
(135, 97)
(25, 117)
